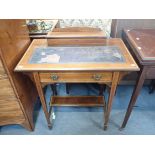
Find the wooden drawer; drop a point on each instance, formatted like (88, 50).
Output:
(71, 77)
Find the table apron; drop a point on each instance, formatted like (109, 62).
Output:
(75, 77)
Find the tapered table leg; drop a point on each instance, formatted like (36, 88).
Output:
(67, 88)
(102, 89)
(110, 99)
(152, 87)
(135, 94)
(42, 98)
(54, 88)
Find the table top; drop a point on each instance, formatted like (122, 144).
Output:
(143, 41)
(110, 55)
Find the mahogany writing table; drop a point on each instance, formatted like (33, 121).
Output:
(103, 62)
(142, 46)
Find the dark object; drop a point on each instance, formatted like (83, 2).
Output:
(152, 87)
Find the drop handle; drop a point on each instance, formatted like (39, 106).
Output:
(54, 77)
(97, 77)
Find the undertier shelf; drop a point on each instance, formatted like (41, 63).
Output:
(82, 101)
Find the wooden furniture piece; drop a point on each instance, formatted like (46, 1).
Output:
(17, 93)
(43, 34)
(141, 43)
(93, 61)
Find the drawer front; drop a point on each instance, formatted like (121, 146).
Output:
(71, 77)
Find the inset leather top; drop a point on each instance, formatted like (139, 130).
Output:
(143, 40)
(76, 54)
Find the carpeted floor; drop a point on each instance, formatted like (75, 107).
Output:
(89, 121)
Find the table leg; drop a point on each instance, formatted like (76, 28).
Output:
(102, 89)
(54, 88)
(135, 94)
(42, 98)
(152, 86)
(67, 88)
(110, 99)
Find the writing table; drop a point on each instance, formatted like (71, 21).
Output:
(103, 62)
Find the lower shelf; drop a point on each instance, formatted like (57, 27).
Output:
(86, 101)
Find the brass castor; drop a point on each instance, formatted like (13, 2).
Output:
(50, 126)
(121, 129)
(105, 127)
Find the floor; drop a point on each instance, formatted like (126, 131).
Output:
(89, 121)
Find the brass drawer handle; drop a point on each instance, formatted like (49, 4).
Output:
(54, 77)
(97, 77)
